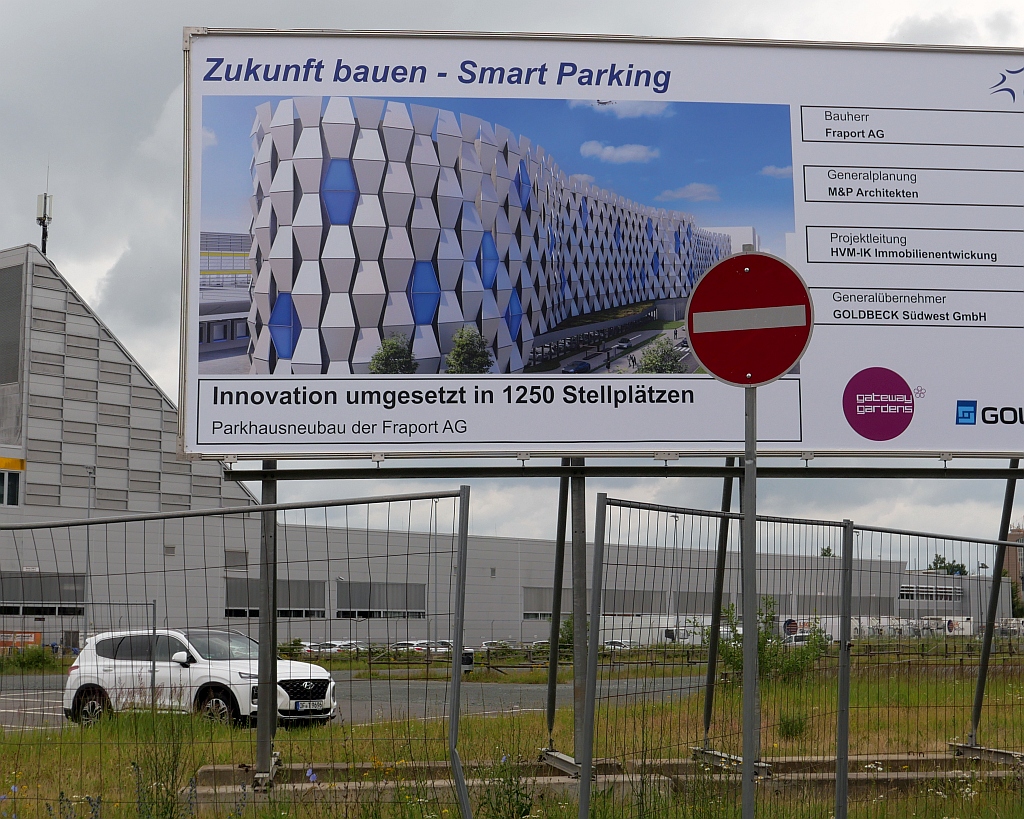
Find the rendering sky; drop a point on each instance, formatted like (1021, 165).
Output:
(726, 164)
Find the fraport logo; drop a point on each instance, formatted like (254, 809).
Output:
(966, 412)
(1007, 80)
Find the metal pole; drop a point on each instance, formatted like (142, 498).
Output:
(585, 750)
(716, 605)
(556, 602)
(454, 702)
(90, 614)
(266, 709)
(845, 645)
(578, 486)
(748, 545)
(993, 605)
(152, 660)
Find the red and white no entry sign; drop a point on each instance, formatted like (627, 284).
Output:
(749, 319)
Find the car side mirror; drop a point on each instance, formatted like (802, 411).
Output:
(182, 658)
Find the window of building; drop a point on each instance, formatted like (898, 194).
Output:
(236, 559)
(537, 602)
(10, 488)
(944, 593)
(42, 594)
(295, 598)
(364, 600)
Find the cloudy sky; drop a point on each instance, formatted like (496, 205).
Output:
(92, 91)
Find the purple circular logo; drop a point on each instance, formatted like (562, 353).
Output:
(878, 403)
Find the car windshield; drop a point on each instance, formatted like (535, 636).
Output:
(223, 645)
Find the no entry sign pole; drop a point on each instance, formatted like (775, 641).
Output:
(749, 320)
(748, 574)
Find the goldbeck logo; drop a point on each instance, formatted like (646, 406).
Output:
(878, 404)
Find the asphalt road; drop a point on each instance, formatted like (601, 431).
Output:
(34, 701)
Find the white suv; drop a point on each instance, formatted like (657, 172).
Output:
(208, 670)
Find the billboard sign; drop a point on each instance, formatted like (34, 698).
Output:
(413, 244)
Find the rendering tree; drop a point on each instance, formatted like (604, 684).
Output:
(470, 354)
(661, 356)
(394, 357)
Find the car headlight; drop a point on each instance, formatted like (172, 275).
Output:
(245, 675)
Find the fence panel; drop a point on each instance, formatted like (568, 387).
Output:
(668, 743)
(915, 660)
(366, 610)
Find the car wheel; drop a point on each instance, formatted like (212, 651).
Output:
(91, 705)
(218, 706)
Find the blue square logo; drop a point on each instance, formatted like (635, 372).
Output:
(966, 412)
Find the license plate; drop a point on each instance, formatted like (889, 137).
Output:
(310, 705)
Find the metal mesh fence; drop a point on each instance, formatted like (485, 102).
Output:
(128, 682)
(668, 704)
(153, 716)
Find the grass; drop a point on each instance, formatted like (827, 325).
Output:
(134, 762)
(34, 660)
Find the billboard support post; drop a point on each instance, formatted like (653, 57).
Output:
(266, 712)
(585, 751)
(578, 489)
(845, 646)
(458, 638)
(716, 604)
(993, 605)
(748, 545)
(556, 602)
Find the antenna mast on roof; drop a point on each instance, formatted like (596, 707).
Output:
(44, 210)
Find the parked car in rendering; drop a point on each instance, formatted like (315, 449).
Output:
(577, 367)
(206, 670)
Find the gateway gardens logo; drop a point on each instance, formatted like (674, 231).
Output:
(878, 404)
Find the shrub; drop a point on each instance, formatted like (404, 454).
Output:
(774, 658)
(792, 726)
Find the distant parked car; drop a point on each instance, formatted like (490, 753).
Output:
(619, 645)
(802, 638)
(417, 646)
(342, 646)
(495, 645)
(577, 367)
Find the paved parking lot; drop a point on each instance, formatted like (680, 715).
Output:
(30, 709)
(35, 701)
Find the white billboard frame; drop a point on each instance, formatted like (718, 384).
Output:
(785, 438)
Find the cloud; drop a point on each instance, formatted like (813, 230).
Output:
(694, 192)
(1000, 26)
(938, 28)
(776, 172)
(618, 154)
(625, 109)
(209, 138)
(584, 178)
